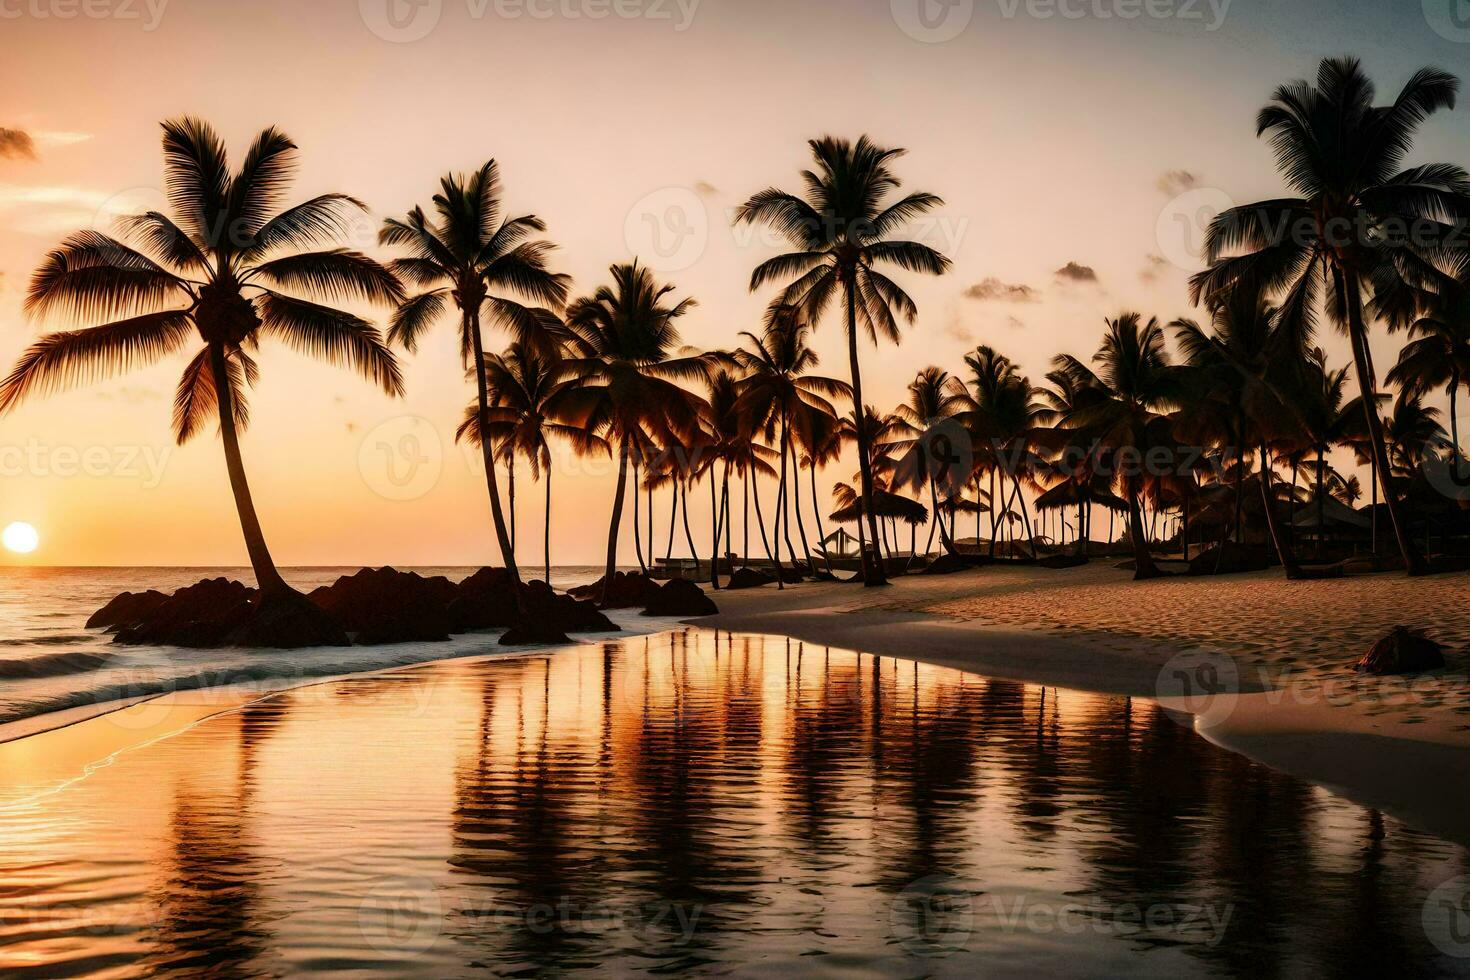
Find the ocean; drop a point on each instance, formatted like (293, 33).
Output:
(53, 670)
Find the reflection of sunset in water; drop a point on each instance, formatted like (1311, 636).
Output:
(685, 800)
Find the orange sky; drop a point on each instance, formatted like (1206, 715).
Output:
(1053, 139)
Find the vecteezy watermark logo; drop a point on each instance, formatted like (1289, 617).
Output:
(948, 455)
(145, 464)
(402, 458)
(401, 915)
(933, 916)
(1446, 917)
(401, 21)
(148, 12)
(932, 21)
(668, 229)
(1446, 466)
(1184, 224)
(1181, 10)
(1205, 683)
(1450, 19)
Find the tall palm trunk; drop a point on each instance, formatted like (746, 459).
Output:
(783, 518)
(510, 461)
(1283, 554)
(673, 516)
(1321, 501)
(817, 510)
(811, 566)
(638, 522)
(945, 539)
(267, 578)
(1143, 561)
(688, 535)
(745, 522)
(546, 532)
(487, 454)
(649, 495)
(714, 514)
(1414, 562)
(994, 514)
(617, 520)
(773, 557)
(872, 573)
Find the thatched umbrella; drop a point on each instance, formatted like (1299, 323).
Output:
(1076, 494)
(887, 504)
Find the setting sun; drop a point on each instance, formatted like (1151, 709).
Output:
(20, 537)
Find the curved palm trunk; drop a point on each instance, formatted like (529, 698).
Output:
(745, 522)
(617, 520)
(946, 539)
(1321, 503)
(783, 517)
(1413, 561)
(487, 454)
(673, 516)
(994, 515)
(1288, 562)
(688, 536)
(649, 495)
(267, 578)
(872, 573)
(638, 523)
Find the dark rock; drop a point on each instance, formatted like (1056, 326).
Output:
(1236, 559)
(630, 590)
(1402, 651)
(945, 564)
(127, 609)
(680, 597)
(219, 613)
(749, 578)
(285, 622)
(485, 601)
(385, 605)
(544, 604)
(199, 615)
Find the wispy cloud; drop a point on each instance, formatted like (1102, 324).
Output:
(16, 144)
(45, 210)
(993, 288)
(1153, 266)
(705, 189)
(1076, 272)
(1176, 182)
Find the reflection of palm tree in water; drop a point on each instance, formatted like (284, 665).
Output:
(207, 907)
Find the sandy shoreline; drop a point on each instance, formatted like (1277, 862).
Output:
(1289, 699)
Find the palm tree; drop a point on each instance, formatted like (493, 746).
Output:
(1133, 386)
(840, 236)
(777, 393)
(625, 337)
(1439, 355)
(529, 394)
(466, 250)
(1006, 417)
(218, 269)
(1341, 154)
(1324, 418)
(1241, 368)
(934, 396)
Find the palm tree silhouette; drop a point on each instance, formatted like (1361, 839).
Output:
(1133, 387)
(934, 396)
(466, 250)
(529, 407)
(778, 393)
(217, 269)
(1439, 355)
(1325, 418)
(1342, 154)
(840, 233)
(624, 338)
(1006, 418)
(1243, 368)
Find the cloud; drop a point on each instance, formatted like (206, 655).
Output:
(705, 189)
(1172, 183)
(1015, 323)
(1153, 266)
(16, 144)
(955, 330)
(993, 288)
(1076, 272)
